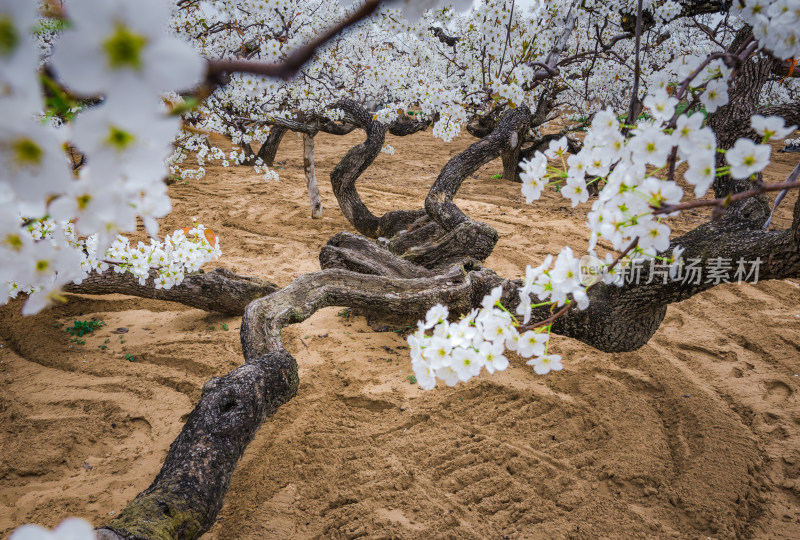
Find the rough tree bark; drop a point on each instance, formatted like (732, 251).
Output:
(504, 138)
(314, 198)
(440, 234)
(219, 290)
(511, 163)
(269, 149)
(188, 492)
(732, 121)
(186, 495)
(352, 165)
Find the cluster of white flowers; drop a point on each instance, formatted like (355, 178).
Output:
(183, 252)
(389, 113)
(115, 50)
(453, 118)
(776, 24)
(666, 11)
(622, 216)
(459, 351)
(269, 175)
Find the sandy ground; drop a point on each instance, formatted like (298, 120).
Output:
(694, 435)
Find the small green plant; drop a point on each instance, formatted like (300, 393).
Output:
(225, 327)
(102, 347)
(129, 357)
(498, 175)
(412, 379)
(344, 314)
(79, 341)
(81, 328)
(212, 327)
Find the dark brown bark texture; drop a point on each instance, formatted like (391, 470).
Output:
(624, 318)
(269, 149)
(313, 125)
(219, 290)
(440, 234)
(439, 32)
(511, 164)
(505, 138)
(352, 165)
(732, 121)
(618, 319)
(188, 492)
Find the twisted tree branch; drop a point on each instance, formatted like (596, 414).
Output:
(219, 290)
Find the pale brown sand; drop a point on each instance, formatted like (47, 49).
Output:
(694, 435)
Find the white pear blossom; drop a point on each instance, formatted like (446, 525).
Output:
(686, 130)
(575, 190)
(532, 176)
(651, 145)
(747, 158)
(701, 173)
(556, 148)
(69, 529)
(715, 95)
(119, 41)
(771, 128)
(661, 104)
(543, 365)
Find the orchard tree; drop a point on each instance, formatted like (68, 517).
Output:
(115, 84)
(363, 63)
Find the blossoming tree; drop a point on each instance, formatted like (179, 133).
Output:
(114, 78)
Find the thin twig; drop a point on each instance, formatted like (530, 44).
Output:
(724, 202)
(508, 38)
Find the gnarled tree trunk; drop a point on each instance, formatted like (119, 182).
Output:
(732, 121)
(440, 234)
(428, 260)
(269, 149)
